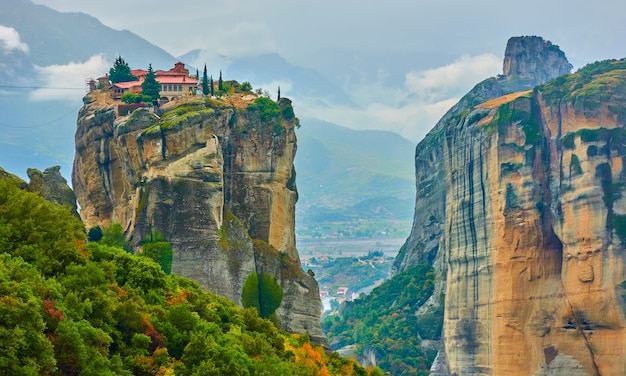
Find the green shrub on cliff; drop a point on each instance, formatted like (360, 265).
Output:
(261, 291)
(70, 308)
(130, 97)
(266, 108)
(157, 248)
(589, 86)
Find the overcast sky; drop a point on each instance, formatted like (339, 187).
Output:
(416, 57)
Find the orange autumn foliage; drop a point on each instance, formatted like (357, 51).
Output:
(177, 297)
(150, 331)
(49, 308)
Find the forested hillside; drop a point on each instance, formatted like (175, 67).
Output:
(73, 307)
(384, 325)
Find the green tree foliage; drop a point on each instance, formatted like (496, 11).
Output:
(70, 308)
(267, 109)
(94, 234)
(205, 83)
(150, 87)
(212, 86)
(220, 83)
(157, 248)
(113, 235)
(245, 87)
(120, 72)
(385, 323)
(24, 348)
(39, 232)
(129, 97)
(261, 291)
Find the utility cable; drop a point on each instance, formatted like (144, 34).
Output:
(73, 111)
(41, 87)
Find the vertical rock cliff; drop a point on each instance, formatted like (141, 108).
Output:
(215, 178)
(520, 208)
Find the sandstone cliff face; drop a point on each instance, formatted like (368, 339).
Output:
(215, 178)
(529, 61)
(520, 208)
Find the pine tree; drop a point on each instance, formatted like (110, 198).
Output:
(220, 83)
(120, 72)
(150, 86)
(205, 83)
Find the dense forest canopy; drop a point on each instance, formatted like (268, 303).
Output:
(72, 307)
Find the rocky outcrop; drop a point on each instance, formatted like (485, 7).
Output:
(52, 186)
(532, 61)
(520, 208)
(215, 178)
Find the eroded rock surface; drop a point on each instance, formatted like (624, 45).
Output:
(215, 178)
(52, 186)
(520, 208)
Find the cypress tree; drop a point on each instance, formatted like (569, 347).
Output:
(220, 83)
(278, 99)
(205, 83)
(120, 72)
(212, 86)
(150, 86)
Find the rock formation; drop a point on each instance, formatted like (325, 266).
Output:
(215, 178)
(52, 186)
(531, 61)
(520, 207)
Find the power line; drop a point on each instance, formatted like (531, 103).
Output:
(40, 87)
(73, 111)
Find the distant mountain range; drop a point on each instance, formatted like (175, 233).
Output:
(59, 38)
(338, 168)
(346, 172)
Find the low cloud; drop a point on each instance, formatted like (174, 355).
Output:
(412, 121)
(411, 110)
(68, 82)
(10, 39)
(454, 79)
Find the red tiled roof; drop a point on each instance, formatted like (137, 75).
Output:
(168, 73)
(176, 80)
(127, 85)
(138, 72)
